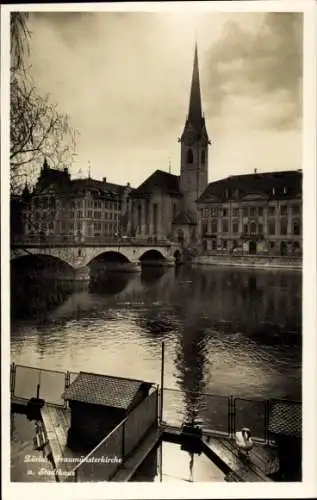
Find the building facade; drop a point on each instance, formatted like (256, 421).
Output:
(259, 213)
(59, 208)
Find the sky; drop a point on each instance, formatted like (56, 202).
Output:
(124, 79)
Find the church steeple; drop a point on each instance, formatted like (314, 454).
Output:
(195, 113)
(194, 145)
(195, 128)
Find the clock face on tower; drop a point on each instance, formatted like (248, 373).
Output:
(190, 137)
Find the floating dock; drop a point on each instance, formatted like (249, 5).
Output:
(252, 468)
(261, 462)
(56, 422)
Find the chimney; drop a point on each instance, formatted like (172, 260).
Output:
(104, 179)
(66, 170)
(255, 170)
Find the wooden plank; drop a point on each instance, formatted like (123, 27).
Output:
(257, 459)
(131, 465)
(244, 470)
(216, 447)
(232, 477)
(55, 430)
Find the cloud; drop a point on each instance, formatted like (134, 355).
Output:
(266, 64)
(124, 79)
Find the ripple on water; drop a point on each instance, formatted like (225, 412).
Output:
(226, 335)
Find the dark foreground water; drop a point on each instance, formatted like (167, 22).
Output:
(226, 331)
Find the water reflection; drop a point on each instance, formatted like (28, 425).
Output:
(226, 330)
(110, 283)
(169, 462)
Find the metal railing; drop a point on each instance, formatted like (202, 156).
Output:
(28, 382)
(219, 415)
(216, 414)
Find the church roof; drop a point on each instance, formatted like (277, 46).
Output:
(185, 218)
(163, 181)
(271, 185)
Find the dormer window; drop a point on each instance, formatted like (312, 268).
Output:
(273, 190)
(285, 190)
(190, 156)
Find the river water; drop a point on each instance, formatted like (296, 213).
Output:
(226, 331)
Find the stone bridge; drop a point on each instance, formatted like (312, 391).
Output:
(81, 256)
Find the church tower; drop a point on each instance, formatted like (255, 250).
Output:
(194, 146)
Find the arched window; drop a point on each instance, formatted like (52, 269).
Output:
(203, 156)
(190, 156)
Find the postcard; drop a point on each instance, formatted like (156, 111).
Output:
(158, 249)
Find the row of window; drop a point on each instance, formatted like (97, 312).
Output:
(49, 202)
(250, 211)
(225, 244)
(71, 214)
(69, 228)
(253, 228)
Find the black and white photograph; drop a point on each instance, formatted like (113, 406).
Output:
(158, 283)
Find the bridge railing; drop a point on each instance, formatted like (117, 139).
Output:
(69, 240)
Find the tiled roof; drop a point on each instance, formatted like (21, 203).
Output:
(274, 185)
(286, 418)
(103, 390)
(105, 187)
(159, 180)
(63, 184)
(185, 218)
(49, 176)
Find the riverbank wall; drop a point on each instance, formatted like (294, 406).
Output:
(248, 261)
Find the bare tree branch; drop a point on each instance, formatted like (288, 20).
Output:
(37, 128)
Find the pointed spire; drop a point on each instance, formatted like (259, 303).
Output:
(45, 164)
(195, 111)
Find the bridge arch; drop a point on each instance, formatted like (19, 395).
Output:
(110, 256)
(39, 263)
(152, 256)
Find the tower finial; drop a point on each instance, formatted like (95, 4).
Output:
(89, 170)
(169, 166)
